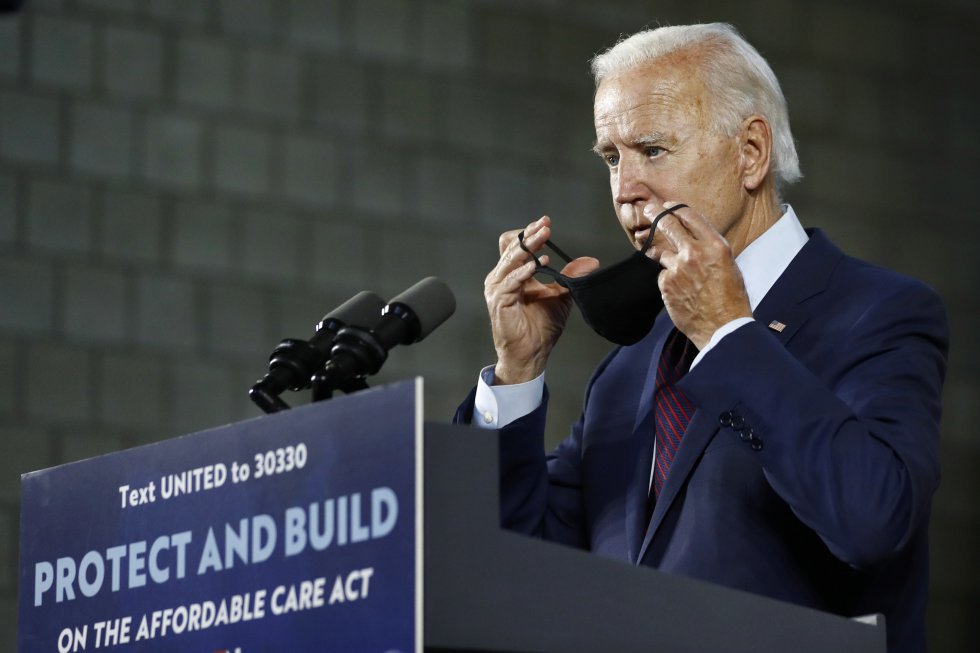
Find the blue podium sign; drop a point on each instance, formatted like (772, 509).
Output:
(299, 531)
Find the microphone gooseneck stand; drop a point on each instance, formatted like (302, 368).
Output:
(358, 353)
(294, 362)
(294, 358)
(342, 354)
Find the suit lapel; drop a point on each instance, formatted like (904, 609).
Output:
(807, 275)
(784, 309)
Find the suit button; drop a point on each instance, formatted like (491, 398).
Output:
(725, 419)
(746, 434)
(756, 444)
(737, 422)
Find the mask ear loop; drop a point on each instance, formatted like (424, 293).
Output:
(557, 250)
(656, 221)
(537, 263)
(568, 259)
(546, 269)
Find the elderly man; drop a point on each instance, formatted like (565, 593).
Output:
(776, 428)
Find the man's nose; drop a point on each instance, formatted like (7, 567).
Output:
(628, 185)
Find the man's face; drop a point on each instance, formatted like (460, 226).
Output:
(653, 130)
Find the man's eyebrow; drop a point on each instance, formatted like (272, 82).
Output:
(597, 149)
(649, 138)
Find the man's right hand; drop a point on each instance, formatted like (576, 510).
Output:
(527, 316)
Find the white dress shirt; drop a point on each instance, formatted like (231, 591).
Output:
(761, 264)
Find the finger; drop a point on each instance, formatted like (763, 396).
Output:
(509, 238)
(581, 266)
(514, 283)
(510, 261)
(659, 245)
(526, 248)
(694, 222)
(667, 259)
(506, 239)
(503, 290)
(514, 279)
(514, 255)
(535, 239)
(674, 233)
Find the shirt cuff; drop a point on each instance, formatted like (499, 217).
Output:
(496, 406)
(716, 337)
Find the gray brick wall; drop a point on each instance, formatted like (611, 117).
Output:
(185, 182)
(130, 226)
(62, 52)
(173, 151)
(95, 303)
(30, 127)
(27, 294)
(102, 141)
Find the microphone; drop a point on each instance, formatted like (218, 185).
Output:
(408, 318)
(294, 362)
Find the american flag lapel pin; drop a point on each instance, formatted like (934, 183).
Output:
(777, 326)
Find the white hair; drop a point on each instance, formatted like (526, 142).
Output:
(738, 77)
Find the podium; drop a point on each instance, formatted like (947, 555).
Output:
(354, 528)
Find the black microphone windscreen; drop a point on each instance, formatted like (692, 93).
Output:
(363, 309)
(432, 302)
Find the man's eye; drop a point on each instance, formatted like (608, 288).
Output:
(611, 159)
(653, 151)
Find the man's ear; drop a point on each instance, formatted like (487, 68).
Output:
(755, 149)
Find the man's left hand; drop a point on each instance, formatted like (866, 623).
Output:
(701, 285)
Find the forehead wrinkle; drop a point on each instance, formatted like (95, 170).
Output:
(652, 103)
(631, 126)
(640, 126)
(669, 86)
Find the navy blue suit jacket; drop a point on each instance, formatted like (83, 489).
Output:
(830, 508)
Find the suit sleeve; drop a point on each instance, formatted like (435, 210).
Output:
(540, 494)
(855, 451)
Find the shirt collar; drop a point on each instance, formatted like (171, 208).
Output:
(767, 257)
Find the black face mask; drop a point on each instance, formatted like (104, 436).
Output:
(621, 301)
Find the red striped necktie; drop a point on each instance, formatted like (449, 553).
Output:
(672, 408)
